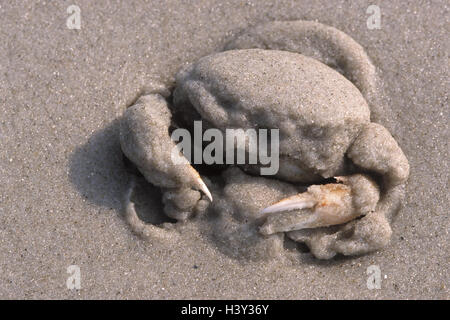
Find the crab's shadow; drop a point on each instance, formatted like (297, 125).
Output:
(99, 173)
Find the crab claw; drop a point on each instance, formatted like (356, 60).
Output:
(145, 140)
(200, 185)
(323, 205)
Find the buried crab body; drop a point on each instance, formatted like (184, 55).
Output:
(325, 131)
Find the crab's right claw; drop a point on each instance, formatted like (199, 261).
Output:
(145, 140)
(323, 205)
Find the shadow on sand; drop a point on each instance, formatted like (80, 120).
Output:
(99, 173)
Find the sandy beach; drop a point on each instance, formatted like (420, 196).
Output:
(63, 179)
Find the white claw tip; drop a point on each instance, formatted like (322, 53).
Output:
(296, 202)
(204, 189)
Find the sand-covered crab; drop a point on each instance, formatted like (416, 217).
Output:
(314, 84)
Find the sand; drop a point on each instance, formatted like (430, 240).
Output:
(64, 181)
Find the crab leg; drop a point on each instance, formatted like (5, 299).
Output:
(141, 228)
(322, 205)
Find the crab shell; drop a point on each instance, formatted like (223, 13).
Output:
(318, 111)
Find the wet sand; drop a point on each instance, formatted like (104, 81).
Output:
(63, 178)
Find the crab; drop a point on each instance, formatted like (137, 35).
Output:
(317, 86)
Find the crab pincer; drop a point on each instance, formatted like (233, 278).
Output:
(146, 142)
(323, 205)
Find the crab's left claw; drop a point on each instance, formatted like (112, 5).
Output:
(145, 140)
(323, 205)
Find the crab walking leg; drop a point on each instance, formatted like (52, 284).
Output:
(370, 233)
(145, 140)
(376, 150)
(141, 228)
(323, 205)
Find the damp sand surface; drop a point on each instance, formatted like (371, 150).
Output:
(64, 179)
